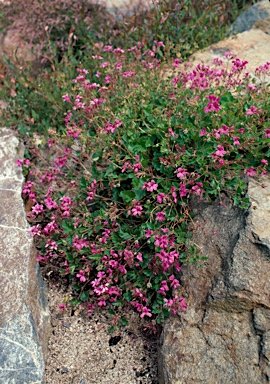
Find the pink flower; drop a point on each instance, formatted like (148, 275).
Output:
(137, 167)
(66, 98)
(251, 172)
(182, 190)
(220, 151)
(251, 110)
(19, 162)
(35, 230)
(81, 276)
(128, 74)
(137, 209)
(264, 162)
(139, 257)
(203, 132)
(50, 204)
(107, 79)
(145, 312)
(176, 63)
(62, 307)
(181, 173)
(118, 65)
(236, 140)
(102, 303)
(148, 233)
(150, 186)
(50, 227)
(79, 243)
(267, 134)
(213, 104)
(38, 208)
(160, 216)
(108, 48)
(161, 197)
(182, 303)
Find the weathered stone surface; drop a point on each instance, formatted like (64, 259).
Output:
(224, 337)
(14, 46)
(125, 7)
(253, 15)
(24, 315)
(253, 46)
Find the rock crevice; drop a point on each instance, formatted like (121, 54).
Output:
(224, 337)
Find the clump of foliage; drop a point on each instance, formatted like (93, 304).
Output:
(110, 203)
(114, 155)
(53, 27)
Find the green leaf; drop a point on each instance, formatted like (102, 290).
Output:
(84, 296)
(124, 235)
(67, 227)
(127, 196)
(127, 296)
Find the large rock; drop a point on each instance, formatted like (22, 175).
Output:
(224, 337)
(24, 314)
(12, 45)
(125, 7)
(253, 46)
(252, 17)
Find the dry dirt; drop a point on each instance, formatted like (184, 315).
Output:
(81, 349)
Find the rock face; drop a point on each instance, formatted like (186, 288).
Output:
(24, 315)
(253, 46)
(252, 17)
(125, 7)
(224, 337)
(13, 46)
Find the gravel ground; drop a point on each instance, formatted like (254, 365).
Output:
(81, 349)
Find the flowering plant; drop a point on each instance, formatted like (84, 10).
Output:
(110, 207)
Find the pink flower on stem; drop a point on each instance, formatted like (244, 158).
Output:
(160, 216)
(145, 312)
(251, 172)
(150, 186)
(50, 203)
(236, 140)
(213, 104)
(171, 132)
(62, 307)
(102, 303)
(267, 134)
(148, 233)
(174, 282)
(182, 190)
(181, 173)
(203, 131)
(176, 63)
(251, 110)
(38, 208)
(220, 151)
(137, 167)
(137, 209)
(81, 276)
(107, 48)
(128, 74)
(79, 243)
(66, 98)
(182, 303)
(50, 227)
(264, 162)
(35, 230)
(164, 288)
(161, 197)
